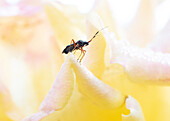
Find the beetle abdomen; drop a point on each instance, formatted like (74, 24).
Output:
(68, 49)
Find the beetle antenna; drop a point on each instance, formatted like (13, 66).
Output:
(96, 34)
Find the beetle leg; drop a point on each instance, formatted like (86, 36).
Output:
(73, 43)
(76, 46)
(74, 52)
(84, 52)
(79, 55)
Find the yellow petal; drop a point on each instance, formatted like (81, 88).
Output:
(95, 90)
(84, 110)
(8, 110)
(5, 103)
(135, 111)
(21, 81)
(66, 21)
(94, 58)
(115, 76)
(61, 91)
(141, 64)
(78, 103)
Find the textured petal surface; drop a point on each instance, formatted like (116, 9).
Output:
(135, 111)
(95, 90)
(102, 105)
(142, 65)
(110, 99)
(58, 95)
(61, 91)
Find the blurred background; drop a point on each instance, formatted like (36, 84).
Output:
(29, 59)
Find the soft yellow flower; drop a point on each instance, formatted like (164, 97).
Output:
(150, 97)
(94, 90)
(88, 97)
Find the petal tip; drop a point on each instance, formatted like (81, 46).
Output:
(135, 110)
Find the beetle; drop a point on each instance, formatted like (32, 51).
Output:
(78, 46)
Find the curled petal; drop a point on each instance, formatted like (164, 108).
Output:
(142, 65)
(61, 91)
(95, 90)
(135, 111)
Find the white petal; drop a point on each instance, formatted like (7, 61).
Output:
(61, 91)
(141, 64)
(135, 111)
(140, 31)
(162, 41)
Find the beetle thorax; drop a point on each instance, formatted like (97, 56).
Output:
(80, 42)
